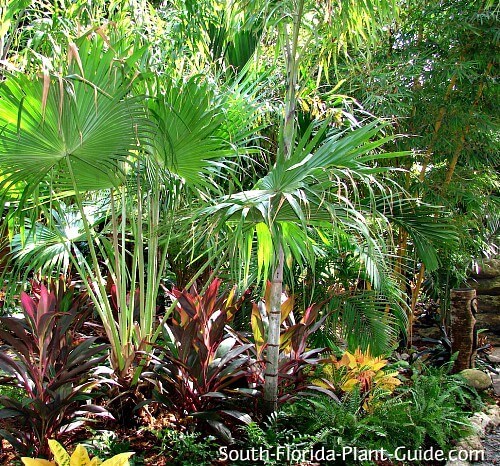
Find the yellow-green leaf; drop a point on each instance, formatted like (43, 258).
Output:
(80, 457)
(257, 329)
(60, 454)
(349, 385)
(37, 462)
(286, 308)
(264, 249)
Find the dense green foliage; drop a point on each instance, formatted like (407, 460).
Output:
(329, 161)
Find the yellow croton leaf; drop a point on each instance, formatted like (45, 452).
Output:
(349, 385)
(118, 460)
(37, 462)
(345, 360)
(378, 364)
(60, 454)
(388, 381)
(80, 457)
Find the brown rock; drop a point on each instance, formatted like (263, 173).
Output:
(488, 268)
(486, 286)
(488, 304)
(490, 322)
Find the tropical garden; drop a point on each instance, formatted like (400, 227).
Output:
(222, 222)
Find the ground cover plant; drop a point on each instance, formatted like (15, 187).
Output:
(218, 219)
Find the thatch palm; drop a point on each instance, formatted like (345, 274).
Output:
(316, 189)
(71, 134)
(85, 131)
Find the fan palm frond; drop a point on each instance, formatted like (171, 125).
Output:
(75, 131)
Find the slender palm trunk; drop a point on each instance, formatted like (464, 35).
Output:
(273, 338)
(274, 306)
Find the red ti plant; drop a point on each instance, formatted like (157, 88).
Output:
(296, 360)
(200, 364)
(53, 368)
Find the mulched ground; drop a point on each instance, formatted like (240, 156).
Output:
(491, 446)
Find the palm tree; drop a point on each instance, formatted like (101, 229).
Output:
(318, 180)
(85, 131)
(315, 190)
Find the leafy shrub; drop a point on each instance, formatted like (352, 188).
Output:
(432, 411)
(296, 360)
(53, 366)
(107, 443)
(358, 370)
(277, 431)
(201, 365)
(441, 405)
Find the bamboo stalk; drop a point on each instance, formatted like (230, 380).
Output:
(437, 127)
(465, 132)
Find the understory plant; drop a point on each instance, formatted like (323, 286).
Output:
(431, 411)
(201, 368)
(55, 368)
(275, 432)
(297, 360)
(361, 371)
(187, 448)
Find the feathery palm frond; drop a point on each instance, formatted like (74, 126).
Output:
(367, 319)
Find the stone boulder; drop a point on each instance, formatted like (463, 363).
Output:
(486, 286)
(488, 320)
(476, 378)
(488, 268)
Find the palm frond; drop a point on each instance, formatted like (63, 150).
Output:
(68, 130)
(367, 319)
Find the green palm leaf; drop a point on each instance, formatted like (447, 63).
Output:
(367, 319)
(311, 190)
(76, 131)
(192, 129)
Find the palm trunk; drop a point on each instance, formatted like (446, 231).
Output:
(273, 337)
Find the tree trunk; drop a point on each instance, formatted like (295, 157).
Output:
(273, 338)
(462, 327)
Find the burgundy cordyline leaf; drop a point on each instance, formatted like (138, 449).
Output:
(28, 305)
(114, 301)
(209, 298)
(43, 303)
